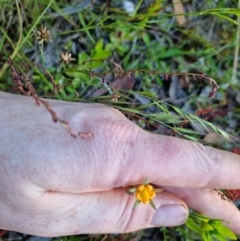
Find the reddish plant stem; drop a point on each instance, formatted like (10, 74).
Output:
(24, 85)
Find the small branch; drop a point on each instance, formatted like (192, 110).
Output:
(118, 71)
(25, 86)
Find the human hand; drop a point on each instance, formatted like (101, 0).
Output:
(53, 184)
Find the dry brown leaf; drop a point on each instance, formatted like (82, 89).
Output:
(213, 138)
(179, 9)
(124, 83)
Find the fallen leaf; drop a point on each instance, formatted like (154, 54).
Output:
(179, 9)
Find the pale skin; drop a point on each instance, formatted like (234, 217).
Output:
(52, 184)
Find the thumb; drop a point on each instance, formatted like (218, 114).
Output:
(170, 211)
(59, 214)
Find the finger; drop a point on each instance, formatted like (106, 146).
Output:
(122, 154)
(125, 155)
(119, 153)
(176, 162)
(209, 202)
(58, 214)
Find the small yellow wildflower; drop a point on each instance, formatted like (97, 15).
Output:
(145, 193)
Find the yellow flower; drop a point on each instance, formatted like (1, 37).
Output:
(145, 193)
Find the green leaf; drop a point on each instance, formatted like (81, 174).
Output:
(220, 237)
(225, 231)
(144, 106)
(226, 18)
(147, 93)
(99, 46)
(199, 120)
(155, 7)
(99, 54)
(215, 222)
(137, 7)
(82, 57)
(222, 11)
(103, 54)
(192, 138)
(206, 236)
(70, 89)
(145, 181)
(146, 39)
(161, 106)
(95, 63)
(136, 204)
(192, 225)
(74, 73)
(130, 110)
(152, 204)
(187, 131)
(173, 52)
(206, 227)
(162, 117)
(223, 133)
(177, 110)
(132, 190)
(76, 83)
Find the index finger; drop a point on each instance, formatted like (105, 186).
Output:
(177, 162)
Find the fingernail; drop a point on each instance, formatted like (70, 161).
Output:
(169, 215)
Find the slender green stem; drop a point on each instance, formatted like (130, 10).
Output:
(85, 28)
(20, 41)
(41, 52)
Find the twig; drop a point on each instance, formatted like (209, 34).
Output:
(118, 71)
(25, 86)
